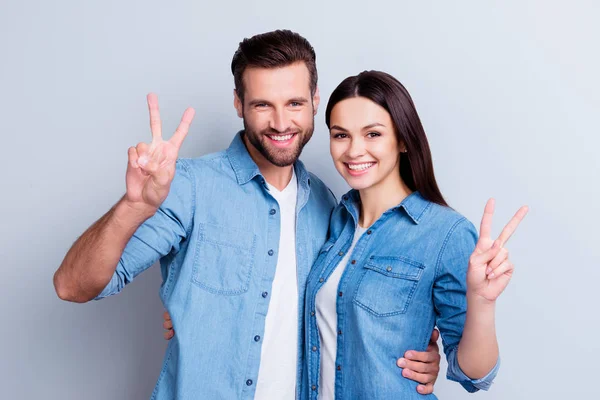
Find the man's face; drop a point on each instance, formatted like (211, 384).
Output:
(278, 112)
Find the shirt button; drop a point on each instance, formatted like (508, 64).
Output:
(271, 252)
(353, 262)
(345, 198)
(340, 332)
(339, 367)
(265, 294)
(256, 338)
(341, 253)
(369, 232)
(389, 269)
(249, 382)
(314, 387)
(314, 348)
(273, 211)
(321, 280)
(341, 294)
(312, 313)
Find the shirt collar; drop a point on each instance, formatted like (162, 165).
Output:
(414, 204)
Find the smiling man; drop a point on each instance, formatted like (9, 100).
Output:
(236, 233)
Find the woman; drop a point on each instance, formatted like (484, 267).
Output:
(398, 260)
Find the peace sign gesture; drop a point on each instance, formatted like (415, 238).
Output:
(151, 168)
(490, 269)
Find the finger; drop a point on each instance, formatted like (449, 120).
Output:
(423, 356)
(143, 151)
(155, 124)
(132, 157)
(169, 334)
(168, 324)
(417, 377)
(499, 259)
(417, 366)
(166, 316)
(485, 229)
(183, 128)
(512, 225)
(435, 335)
(502, 269)
(486, 256)
(425, 389)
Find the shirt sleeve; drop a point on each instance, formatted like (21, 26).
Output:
(159, 235)
(449, 296)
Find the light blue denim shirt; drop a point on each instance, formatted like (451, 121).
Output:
(406, 274)
(217, 237)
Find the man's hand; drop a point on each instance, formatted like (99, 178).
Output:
(422, 366)
(168, 325)
(151, 166)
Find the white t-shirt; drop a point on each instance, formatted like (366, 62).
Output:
(278, 360)
(327, 322)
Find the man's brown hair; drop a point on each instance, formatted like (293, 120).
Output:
(274, 49)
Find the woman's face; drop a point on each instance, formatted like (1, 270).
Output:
(363, 143)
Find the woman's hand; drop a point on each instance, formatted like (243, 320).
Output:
(490, 270)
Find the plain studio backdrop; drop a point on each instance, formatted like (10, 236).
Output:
(508, 92)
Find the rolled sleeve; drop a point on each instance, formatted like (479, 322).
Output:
(159, 235)
(456, 374)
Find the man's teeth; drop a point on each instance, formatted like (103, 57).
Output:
(360, 167)
(282, 138)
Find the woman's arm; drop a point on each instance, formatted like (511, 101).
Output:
(489, 273)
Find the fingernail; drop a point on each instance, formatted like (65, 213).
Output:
(487, 271)
(409, 354)
(491, 275)
(406, 373)
(402, 363)
(143, 161)
(420, 388)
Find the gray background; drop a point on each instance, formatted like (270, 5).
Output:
(508, 92)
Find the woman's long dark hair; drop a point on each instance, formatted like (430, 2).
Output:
(416, 166)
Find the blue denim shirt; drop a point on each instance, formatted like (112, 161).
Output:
(407, 273)
(217, 236)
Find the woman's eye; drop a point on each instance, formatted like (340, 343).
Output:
(373, 134)
(339, 136)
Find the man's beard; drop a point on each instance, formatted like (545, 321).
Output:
(276, 156)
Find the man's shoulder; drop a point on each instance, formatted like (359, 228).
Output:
(208, 165)
(321, 191)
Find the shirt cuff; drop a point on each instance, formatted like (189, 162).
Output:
(473, 385)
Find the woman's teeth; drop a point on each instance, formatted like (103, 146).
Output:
(360, 167)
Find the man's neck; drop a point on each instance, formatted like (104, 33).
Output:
(278, 177)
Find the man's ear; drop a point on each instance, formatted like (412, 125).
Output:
(316, 100)
(237, 103)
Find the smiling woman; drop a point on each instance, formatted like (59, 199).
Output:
(398, 260)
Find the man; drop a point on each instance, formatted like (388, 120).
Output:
(236, 233)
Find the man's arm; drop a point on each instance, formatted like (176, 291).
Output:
(92, 260)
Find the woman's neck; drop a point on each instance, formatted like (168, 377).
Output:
(379, 198)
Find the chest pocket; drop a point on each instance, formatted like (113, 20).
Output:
(224, 259)
(387, 285)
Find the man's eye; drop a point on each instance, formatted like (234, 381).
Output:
(340, 136)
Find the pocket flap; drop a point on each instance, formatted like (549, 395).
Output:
(396, 267)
